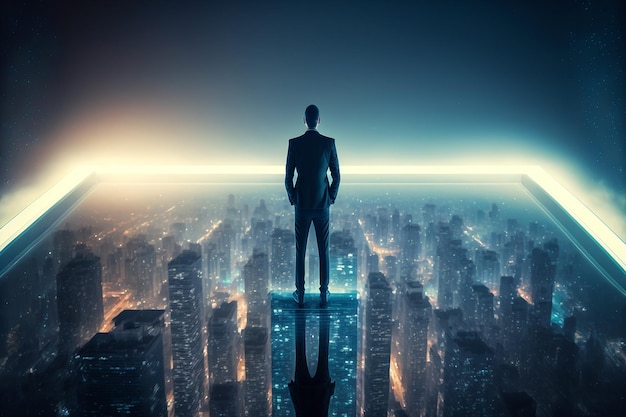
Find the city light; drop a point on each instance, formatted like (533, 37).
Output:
(589, 221)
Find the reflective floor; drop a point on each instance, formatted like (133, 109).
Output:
(446, 300)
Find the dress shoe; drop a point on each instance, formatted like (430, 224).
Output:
(324, 297)
(298, 297)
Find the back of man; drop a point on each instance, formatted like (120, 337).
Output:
(311, 156)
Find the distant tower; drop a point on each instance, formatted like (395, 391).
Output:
(382, 226)
(282, 263)
(258, 372)
(391, 268)
(63, 242)
(453, 269)
(256, 282)
(79, 300)
(468, 385)
(261, 226)
(430, 230)
(542, 275)
(185, 286)
(140, 269)
(411, 247)
(372, 263)
(377, 346)
(121, 373)
(508, 292)
(482, 312)
(343, 262)
(488, 268)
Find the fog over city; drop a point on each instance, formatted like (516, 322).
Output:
(445, 298)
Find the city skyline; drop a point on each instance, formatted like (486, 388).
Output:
(205, 218)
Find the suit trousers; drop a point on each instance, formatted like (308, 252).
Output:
(320, 219)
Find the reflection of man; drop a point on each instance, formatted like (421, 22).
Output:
(311, 156)
(311, 394)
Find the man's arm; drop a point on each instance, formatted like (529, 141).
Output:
(290, 168)
(334, 173)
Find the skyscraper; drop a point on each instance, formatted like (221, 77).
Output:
(140, 269)
(282, 263)
(121, 373)
(343, 262)
(411, 247)
(185, 286)
(256, 283)
(488, 268)
(258, 375)
(224, 347)
(468, 385)
(542, 275)
(377, 346)
(79, 300)
(412, 346)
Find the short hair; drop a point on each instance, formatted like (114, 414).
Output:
(312, 115)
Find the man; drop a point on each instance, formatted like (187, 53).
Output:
(312, 155)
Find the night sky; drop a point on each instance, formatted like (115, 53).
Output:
(397, 82)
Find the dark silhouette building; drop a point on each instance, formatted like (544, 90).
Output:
(79, 300)
(121, 373)
(468, 385)
(258, 371)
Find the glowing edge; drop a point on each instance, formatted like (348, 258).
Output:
(604, 236)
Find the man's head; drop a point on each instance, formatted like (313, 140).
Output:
(312, 116)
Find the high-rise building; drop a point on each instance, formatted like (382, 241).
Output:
(487, 268)
(282, 263)
(225, 400)
(392, 268)
(141, 270)
(261, 227)
(454, 271)
(185, 302)
(482, 313)
(63, 242)
(121, 373)
(411, 248)
(258, 372)
(412, 346)
(256, 281)
(542, 275)
(372, 263)
(468, 385)
(430, 230)
(343, 262)
(508, 292)
(377, 346)
(79, 300)
(381, 233)
(224, 347)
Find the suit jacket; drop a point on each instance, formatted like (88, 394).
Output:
(311, 155)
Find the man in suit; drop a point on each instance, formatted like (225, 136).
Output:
(311, 156)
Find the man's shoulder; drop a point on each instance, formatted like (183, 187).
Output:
(309, 134)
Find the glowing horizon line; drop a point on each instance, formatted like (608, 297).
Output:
(234, 169)
(589, 221)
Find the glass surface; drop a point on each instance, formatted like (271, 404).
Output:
(442, 334)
